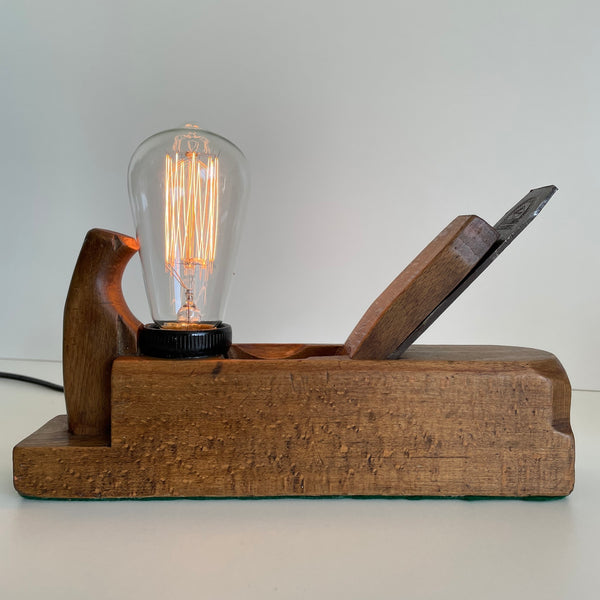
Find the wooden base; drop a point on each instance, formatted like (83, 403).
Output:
(443, 421)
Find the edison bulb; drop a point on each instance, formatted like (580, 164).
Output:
(188, 190)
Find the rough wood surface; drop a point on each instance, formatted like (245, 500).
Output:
(427, 280)
(443, 421)
(98, 326)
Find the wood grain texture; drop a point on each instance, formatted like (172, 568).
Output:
(427, 280)
(283, 351)
(98, 326)
(443, 421)
(508, 227)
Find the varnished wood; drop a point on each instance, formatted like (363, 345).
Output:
(442, 421)
(427, 280)
(283, 351)
(98, 327)
(508, 227)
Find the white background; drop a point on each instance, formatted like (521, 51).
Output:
(368, 127)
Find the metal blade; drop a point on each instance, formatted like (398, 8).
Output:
(509, 227)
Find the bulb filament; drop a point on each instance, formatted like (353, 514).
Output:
(191, 224)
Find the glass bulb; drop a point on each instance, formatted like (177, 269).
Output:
(188, 191)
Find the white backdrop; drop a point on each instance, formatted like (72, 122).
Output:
(368, 126)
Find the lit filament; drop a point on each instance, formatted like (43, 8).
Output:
(191, 214)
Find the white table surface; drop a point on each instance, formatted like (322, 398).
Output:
(340, 548)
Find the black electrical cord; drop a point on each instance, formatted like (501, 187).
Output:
(48, 384)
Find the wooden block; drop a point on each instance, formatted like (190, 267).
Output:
(422, 286)
(508, 227)
(443, 421)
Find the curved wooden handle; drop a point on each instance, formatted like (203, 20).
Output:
(98, 326)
